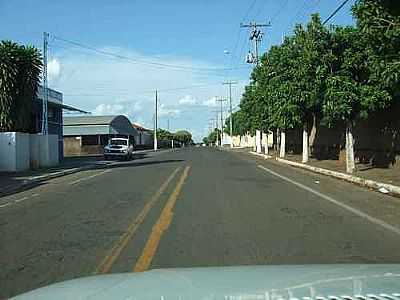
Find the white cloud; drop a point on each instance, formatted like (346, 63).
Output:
(212, 102)
(187, 100)
(53, 69)
(125, 108)
(168, 111)
(106, 85)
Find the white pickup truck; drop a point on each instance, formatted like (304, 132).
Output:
(119, 148)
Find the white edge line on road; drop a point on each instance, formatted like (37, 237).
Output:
(89, 177)
(20, 200)
(13, 202)
(342, 205)
(5, 204)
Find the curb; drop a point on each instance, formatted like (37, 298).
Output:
(265, 156)
(392, 189)
(37, 179)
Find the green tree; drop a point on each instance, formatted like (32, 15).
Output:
(350, 93)
(239, 124)
(183, 136)
(164, 135)
(19, 79)
(214, 136)
(311, 46)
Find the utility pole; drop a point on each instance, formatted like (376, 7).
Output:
(255, 36)
(230, 109)
(216, 126)
(45, 85)
(222, 118)
(155, 123)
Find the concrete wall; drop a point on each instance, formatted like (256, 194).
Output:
(249, 140)
(22, 157)
(73, 147)
(376, 140)
(20, 151)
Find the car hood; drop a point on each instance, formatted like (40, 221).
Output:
(116, 147)
(308, 282)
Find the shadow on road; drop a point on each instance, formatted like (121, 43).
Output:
(138, 164)
(20, 185)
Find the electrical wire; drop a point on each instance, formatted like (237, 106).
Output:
(138, 61)
(335, 12)
(279, 11)
(145, 92)
(261, 9)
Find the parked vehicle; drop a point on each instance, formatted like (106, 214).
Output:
(119, 148)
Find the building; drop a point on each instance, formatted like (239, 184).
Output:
(145, 138)
(85, 135)
(55, 108)
(31, 150)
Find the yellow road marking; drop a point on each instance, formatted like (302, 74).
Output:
(158, 229)
(114, 253)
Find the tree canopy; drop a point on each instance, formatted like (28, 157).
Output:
(20, 68)
(183, 136)
(337, 74)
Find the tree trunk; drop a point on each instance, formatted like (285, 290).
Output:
(283, 144)
(313, 134)
(278, 140)
(258, 141)
(305, 144)
(266, 144)
(350, 164)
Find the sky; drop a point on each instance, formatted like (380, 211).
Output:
(109, 57)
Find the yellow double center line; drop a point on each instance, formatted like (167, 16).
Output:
(158, 229)
(154, 239)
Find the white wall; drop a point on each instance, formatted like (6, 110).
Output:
(34, 151)
(20, 151)
(14, 151)
(7, 151)
(22, 157)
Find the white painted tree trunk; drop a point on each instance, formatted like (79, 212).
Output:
(258, 141)
(312, 136)
(305, 144)
(266, 143)
(350, 164)
(278, 140)
(283, 144)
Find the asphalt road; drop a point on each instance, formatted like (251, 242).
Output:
(186, 208)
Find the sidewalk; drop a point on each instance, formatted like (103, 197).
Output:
(12, 181)
(384, 175)
(384, 180)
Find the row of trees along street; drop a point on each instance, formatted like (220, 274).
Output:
(333, 76)
(183, 137)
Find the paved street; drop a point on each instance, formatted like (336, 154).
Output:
(189, 207)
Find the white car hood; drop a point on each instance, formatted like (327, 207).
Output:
(304, 282)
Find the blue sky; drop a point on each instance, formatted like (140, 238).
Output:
(193, 34)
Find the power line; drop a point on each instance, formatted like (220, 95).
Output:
(139, 61)
(248, 10)
(260, 9)
(280, 9)
(335, 12)
(234, 56)
(144, 92)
